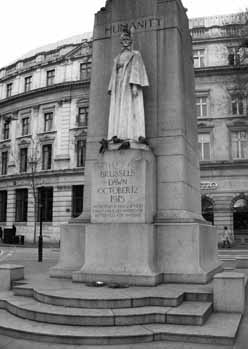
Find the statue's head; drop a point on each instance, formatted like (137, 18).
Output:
(126, 39)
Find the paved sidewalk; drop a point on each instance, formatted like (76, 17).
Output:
(29, 258)
(36, 270)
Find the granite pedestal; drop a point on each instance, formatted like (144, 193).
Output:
(229, 292)
(72, 247)
(120, 242)
(186, 252)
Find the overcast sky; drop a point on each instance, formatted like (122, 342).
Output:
(28, 24)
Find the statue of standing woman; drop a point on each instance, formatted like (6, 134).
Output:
(126, 116)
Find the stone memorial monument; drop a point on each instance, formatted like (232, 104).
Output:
(142, 222)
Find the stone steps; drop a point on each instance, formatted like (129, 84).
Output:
(188, 313)
(220, 328)
(88, 297)
(58, 311)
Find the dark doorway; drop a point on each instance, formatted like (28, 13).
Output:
(77, 200)
(45, 198)
(240, 220)
(207, 209)
(240, 215)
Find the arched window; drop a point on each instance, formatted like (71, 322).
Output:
(207, 209)
(240, 215)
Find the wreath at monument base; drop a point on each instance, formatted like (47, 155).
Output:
(124, 143)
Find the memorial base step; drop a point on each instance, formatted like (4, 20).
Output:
(220, 328)
(62, 312)
(193, 313)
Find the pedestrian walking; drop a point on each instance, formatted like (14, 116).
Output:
(226, 238)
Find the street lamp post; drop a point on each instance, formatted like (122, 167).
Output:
(40, 242)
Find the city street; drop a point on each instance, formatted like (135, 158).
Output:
(29, 258)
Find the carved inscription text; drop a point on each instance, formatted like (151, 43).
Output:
(117, 193)
(140, 24)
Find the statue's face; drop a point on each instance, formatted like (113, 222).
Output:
(126, 41)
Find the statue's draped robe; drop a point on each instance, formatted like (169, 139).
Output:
(126, 115)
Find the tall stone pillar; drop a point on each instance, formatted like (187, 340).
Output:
(179, 246)
(162, 37)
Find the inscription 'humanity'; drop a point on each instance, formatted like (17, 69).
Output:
(117, 193)
(140, 24)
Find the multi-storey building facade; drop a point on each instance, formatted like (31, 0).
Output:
(220, 56)
(43, 124)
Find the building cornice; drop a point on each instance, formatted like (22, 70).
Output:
(42, 65)
(213, 40)
(43, 51)
(27, 70)
(42, 174)
(68, 86)
(221, 70)
(224, 164)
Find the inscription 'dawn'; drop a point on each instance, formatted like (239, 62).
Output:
(141, 24)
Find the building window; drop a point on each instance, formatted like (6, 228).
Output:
(3, 205)
(46, 157)
(9, 89)
(82, 119)
(48, 121)
(80, 150)
(4, 162)
(204, 146)
(6, 129)
(85, 69)
(25, 126)
(199, 58)
(50, 77)
(21, 205)
(237, 106)
(45, 199)
(23, 159)
(77, 200)
(239, 145)
(27, 83)
(234, 56)
(201, 107)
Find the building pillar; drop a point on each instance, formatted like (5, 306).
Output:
(10, 219)
(62, 198)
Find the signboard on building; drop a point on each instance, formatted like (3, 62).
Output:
(208, 186)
